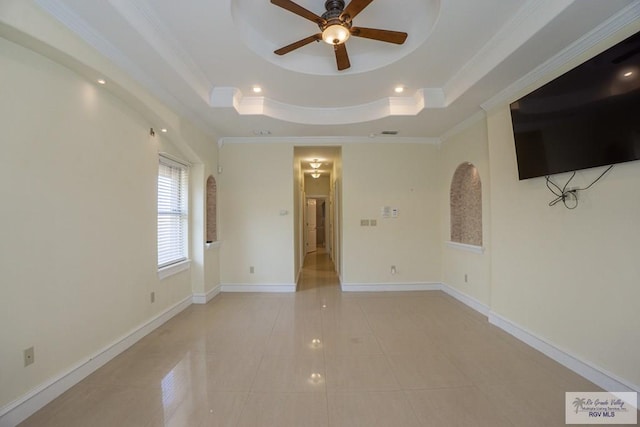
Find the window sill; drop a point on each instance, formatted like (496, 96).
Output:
(172, 269)
(465, 247)
(212, 245)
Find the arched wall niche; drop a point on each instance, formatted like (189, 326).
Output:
(466, 205)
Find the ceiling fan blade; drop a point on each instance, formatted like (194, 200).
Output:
(354, 8)
(388, 36)
(299, 10)
(342, 58)
(298, 44)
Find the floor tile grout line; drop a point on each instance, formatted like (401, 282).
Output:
(255, 376)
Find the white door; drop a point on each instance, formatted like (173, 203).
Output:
(311, 225)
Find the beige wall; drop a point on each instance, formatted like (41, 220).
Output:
(257, 183)
(78, 247)
(470, 145)
(317, 186)
(569, 276)
(403, 176)
(253, 232)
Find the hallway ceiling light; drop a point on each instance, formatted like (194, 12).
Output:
(316, 174)
(315, 164)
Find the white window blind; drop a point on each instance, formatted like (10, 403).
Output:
(172, 212)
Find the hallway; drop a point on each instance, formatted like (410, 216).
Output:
(318, 271)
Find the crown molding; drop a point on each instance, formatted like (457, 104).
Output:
(85, 32)
(148, 25)
(231, 97)
(530, 19)
(80, 27)
(327, 140)
(464, 125)
(628, 17)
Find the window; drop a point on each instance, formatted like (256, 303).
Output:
(172, 212)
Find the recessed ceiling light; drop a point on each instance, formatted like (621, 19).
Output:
(102, 81)
(628, 74)
(257, 89)
(399, 89)
(163, 130)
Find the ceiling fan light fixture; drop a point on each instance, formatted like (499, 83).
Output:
(336, 28)
(335, 34)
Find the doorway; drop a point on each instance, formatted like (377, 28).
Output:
(317, 178)
(318, 270)
(315, 224)
(311, 227)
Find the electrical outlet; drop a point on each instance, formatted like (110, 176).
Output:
(251, 270)
(153, 297)
(393, 269)
(29, 356)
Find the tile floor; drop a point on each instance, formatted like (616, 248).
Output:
(321, 357)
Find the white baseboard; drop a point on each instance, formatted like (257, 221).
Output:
(390, 287)
(466, 299)
(596, 375)
(25, 406)
(203, 298)
(259, 287)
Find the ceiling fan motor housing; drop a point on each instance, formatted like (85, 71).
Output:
(334, 5)
(334, 10)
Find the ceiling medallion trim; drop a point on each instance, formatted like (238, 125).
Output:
(230, 97)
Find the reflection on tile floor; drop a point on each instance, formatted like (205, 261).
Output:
(321, 357)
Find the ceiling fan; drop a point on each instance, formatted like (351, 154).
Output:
(336, 27)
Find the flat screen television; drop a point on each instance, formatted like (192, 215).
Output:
(588, 117)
